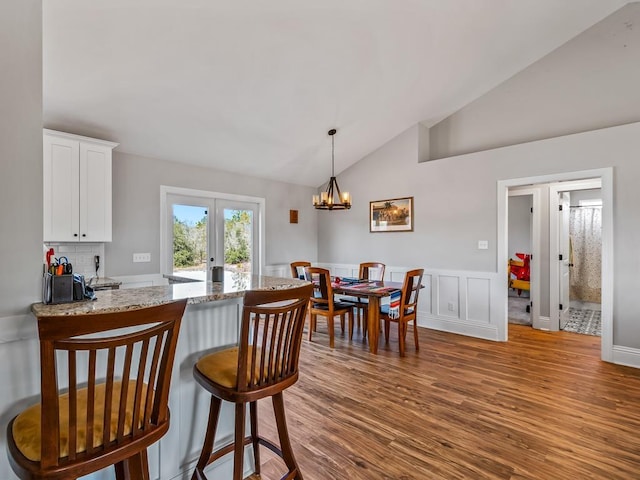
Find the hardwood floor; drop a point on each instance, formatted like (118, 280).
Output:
(540, 406)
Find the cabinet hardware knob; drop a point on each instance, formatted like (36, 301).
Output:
(75, 234)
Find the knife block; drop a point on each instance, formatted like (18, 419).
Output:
(57, 288)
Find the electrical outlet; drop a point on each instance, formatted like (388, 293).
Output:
(451, 307)
(483, 244)
(141, 257)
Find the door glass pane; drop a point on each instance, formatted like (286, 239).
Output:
(190, 241)
(238, 240)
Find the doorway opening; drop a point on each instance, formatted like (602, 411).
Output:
(551, 264)
(523, 266)
(579, 249)
(585, 287)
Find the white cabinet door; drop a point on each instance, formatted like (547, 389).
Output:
(95, 193)
(77, 188)
(61, 194)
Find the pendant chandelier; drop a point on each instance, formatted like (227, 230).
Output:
(332, 198)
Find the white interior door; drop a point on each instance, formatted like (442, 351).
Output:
(564, 257)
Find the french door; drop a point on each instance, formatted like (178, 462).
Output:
(204, 231)
(236, 228)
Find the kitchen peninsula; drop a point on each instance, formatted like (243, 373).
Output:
(195, 291)
(211, 321)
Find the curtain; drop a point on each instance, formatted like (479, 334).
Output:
(585, 229)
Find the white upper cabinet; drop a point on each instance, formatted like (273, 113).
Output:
(77, 188)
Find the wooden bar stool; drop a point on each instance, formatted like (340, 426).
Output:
(115, 402)
(263, 364)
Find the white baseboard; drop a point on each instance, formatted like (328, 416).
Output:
(545, 323)
(626, 356)
(461, 327)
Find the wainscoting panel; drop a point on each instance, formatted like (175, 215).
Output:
(448, 296)
(19, 374)
(206, 327)
(478, 299)
(344, 272)
(463, 302)
(282, 270)
(426, 303)
(395, 275)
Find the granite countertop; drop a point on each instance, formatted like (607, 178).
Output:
(196, 292)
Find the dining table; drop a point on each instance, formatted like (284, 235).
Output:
(374, 291)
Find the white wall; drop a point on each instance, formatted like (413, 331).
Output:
(136, 211)
(20, 207)
(455, 206)
(586, 84)
(21, 155)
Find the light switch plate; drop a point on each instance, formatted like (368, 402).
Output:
(141, 257)
(483, 244)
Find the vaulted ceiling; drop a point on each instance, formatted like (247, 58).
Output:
(253, 86)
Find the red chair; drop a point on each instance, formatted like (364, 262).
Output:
(521, 271)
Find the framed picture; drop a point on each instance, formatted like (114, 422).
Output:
(394, 215)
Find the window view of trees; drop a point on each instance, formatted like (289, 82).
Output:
(237, 239)
(190, 242)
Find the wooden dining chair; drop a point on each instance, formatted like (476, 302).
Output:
(297, 269)
(367, 271)
(264, 363)
(324, 304)
(406, 311)
(104, 394)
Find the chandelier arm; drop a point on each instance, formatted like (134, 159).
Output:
(338, 191)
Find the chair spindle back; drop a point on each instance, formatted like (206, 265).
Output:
(117, 379)
(271, 336)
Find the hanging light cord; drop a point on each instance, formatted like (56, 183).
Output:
(332, 156)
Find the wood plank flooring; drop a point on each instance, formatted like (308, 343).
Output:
(540, 406)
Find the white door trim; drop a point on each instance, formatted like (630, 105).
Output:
(554, 247)
(535, 283)
(166, 190)
(606, 176)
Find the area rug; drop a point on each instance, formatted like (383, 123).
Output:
(518, 310)
(584, 321)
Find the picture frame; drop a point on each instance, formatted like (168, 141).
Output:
(392, 215)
